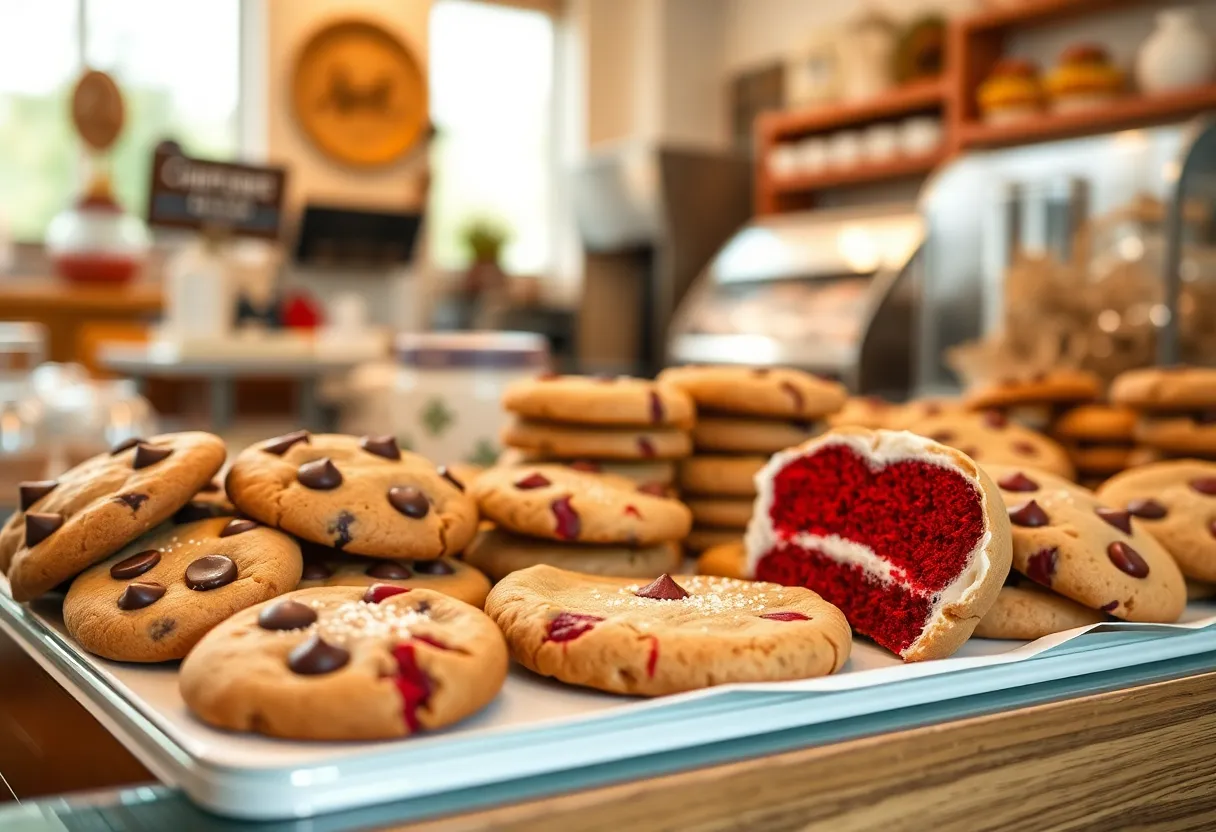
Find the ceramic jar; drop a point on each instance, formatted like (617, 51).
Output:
(1178, 54)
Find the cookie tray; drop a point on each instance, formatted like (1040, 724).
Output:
(537, 726)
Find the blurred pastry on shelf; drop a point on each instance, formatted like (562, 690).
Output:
(1012, 91)
(1084, 77)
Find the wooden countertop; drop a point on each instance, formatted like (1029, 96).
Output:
(59, 296)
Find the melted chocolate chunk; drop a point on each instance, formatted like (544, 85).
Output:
(340, 528)
(124, 445)
(1029, 515)
(134, 566)
(38, 527)
(161, 628)
(316, 656)
(319, 475)
(1147, 509)
(140, 595)
(281, 444)
(146, 455)
(132, 501)
(210, 572)
(32, 492)
(237, 525)
(409, 501)
(315, 572)
(192, 512)
(662, 588)
(1126, 559)
(447, 475)
(389, 570)
(434, 567)
(212, 487)
(286, 615)
(384, 446)
(1018, 482)
(1205, 486)
(1121, 520)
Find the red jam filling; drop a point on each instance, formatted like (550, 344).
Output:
(567, 626)
(923, 519)
(413, 685)
(568, 523)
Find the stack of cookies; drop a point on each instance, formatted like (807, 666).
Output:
(1037, 401)
(628, 427)
(745, 415)
(1100, 440)
(583, 522)
(1175, 407)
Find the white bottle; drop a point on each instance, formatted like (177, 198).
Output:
(1178, 54)
(198, 294)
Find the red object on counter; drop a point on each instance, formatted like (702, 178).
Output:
(300, 311)
(96, 267)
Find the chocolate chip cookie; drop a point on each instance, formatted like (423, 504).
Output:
(156, 598)
(992, 438)
(362, 495)
(65, 526)
(1175, 502)
(774, 392)
(721, 512)
(551, 439)
(325, 566)
(556, 503)
(600, 400)
(1026, 611)
(739, 435)
(1095, 553)
(498, 553)
(346, 663)
(1100, 439)
(674, 634)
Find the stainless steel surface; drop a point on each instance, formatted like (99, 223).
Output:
(831, 291)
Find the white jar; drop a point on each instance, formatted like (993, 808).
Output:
(812, 154)
(880, 142)
(447, 401)
(1178, 54)
(844, 149)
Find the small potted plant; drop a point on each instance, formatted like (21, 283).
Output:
(485, 240)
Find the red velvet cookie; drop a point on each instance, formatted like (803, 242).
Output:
(907, 536)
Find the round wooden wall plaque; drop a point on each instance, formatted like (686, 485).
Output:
(97, 109)
(359, 93)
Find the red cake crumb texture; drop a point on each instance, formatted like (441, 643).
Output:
(923, 519)
(413, 684)
(567, 626)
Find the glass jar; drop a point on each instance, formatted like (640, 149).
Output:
(96, 241)
(24, 453)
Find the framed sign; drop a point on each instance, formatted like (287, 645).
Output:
(359, 93)
(244, 200)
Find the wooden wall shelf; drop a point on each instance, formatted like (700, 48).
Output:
(1030, 13)
(900, 168)
(919, 97)
(1124, 114)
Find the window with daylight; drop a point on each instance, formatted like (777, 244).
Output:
(492, 99)
(177, 64)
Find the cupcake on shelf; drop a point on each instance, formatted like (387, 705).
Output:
(1084, 77)
(1011, 91)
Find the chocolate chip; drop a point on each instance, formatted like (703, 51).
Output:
(1111, 607)
(146, 455)
(532, 481)
(1147, 508)
(785, 616)
(316, 656)
(212, 487)
(32, 492)
(378, 592)
(210, 572)
(132, 501)
(124, 445)
(389, 570)
(656, 408)
(286, 615)
(647, 448)
(237, 525)
(1206, 417)
(1017, 482)
(140, 595)
(315, 572)
(319, 475)
(794, 393)
(662, 588)
(39, 526)
(995, 419)
(1029, 515)
(1127, 559)
(1025, 448)
(1205, 486)
(192, 512)
(385, 446)
(1121, 520)
(1041, 566)
(340, 528)
(446, 473)
(434, 567)
(569, 525)
(161, 628)
(409, 501)
(281, 444)
(134, 566)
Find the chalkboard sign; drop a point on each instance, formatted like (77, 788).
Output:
(243, 200)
